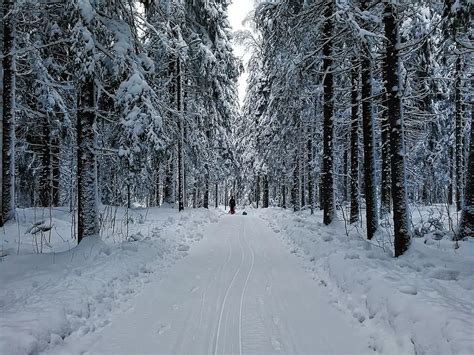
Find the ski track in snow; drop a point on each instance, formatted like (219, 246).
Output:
(239, 291)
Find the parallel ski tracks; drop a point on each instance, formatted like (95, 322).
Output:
(245, 248)
(243, 292)
(223, 304)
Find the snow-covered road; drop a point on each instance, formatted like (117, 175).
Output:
(238, 291)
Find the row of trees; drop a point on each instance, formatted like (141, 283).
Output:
(135, 98)
(378, 89)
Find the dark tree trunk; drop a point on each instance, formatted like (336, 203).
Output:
(309, 172)
(266, 192)
(283, 193)
(8, 134)
(206, 189)
(451, 162)
(355, 146)
(129, 196)
(195, 195)
(217, 195)
(225, 196)
(257, 190)
(327, 173)
(386, 198)
(180, 109)
(459, 150)
(370, 184)
(157, 187)
(168, 191)
(426, 107)
(466, 226)
(87, 216)
(321, 196)
(345, 178)
(56, 171)
(45, 166)
(401, 218)
(295, 196)
(302, 166)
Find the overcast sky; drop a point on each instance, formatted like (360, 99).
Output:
(238, 11)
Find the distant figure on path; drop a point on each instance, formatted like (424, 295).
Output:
(232, 205)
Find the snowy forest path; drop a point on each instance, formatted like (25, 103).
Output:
(238, 291)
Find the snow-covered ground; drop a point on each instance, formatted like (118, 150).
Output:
(66, 292)
(239, 291)
(147, 287)
(424, 299)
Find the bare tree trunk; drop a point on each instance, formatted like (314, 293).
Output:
(386, 198)
(8, 123)
(355, 146)
(45, 164)
(401, 217)
(266, 192)
(369, 141)
(301, 162)
(345, 178)
(257, 190)
(295, 195)
(283, 193)
(87, 221)
(309, 172)
(459, 150)
(225, 196)
(466, 225)
(195, 195)
(206, 189)
(180, 109)
(451, 161)
(168, 195)
(157, 184)
(56, 171)
(328, 82)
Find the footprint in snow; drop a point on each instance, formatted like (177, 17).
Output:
(327, 238)
(276, 344)
(163, 329)
(183, 247)
(408, 290)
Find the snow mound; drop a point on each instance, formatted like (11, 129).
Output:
(64, 293)
(420, 303)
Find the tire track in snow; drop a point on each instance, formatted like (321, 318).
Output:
(219, 324)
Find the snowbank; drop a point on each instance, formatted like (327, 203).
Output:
(423, 300)
(69, 292)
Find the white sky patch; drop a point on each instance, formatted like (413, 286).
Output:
(238, 11)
